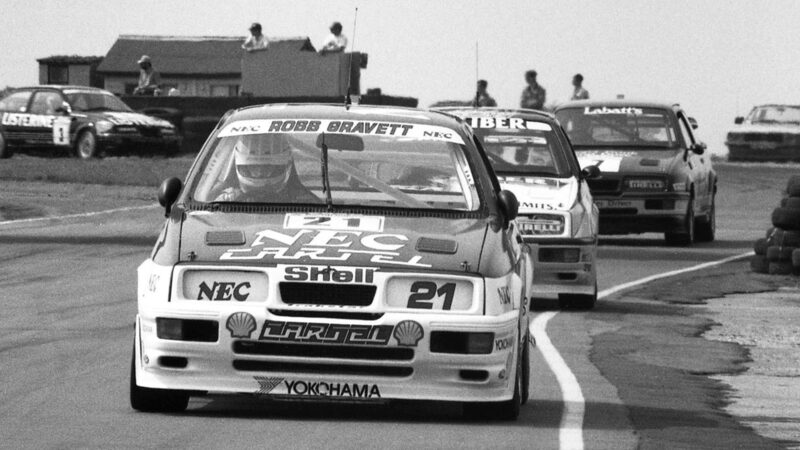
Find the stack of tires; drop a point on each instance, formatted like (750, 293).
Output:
(778, 253)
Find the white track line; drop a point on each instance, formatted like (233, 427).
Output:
(570, 435)
(73, 216)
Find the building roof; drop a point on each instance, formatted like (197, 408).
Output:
(187, 55)
(70, 59)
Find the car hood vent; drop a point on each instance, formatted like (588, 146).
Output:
(430, 245)
(225, 238)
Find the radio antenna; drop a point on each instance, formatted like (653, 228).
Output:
(347, 100)
(477, 76)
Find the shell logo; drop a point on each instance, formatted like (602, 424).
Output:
(241, 325)
(408, 333)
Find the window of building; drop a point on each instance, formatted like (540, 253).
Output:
(58, 74)
(224, 90)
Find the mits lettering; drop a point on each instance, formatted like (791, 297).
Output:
(324, 245)
(326, 333)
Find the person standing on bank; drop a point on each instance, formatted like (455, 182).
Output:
(256, 41)
(336, 41)
(579, 93)
(533, 96)
(482, 98)
(148, 78)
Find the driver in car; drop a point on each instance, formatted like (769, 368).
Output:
(265, 172)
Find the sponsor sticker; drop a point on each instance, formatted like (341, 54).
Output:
(360, 127)
(224, 286)
(606, 204)
(325, 333)
(321, 221)
(61, 130)
(503, 343)
(504, 295)
(510, 123)
(328, 274)
(408, 333)
(28, 120)
(331, 389)
(606, 110)
(241, 325)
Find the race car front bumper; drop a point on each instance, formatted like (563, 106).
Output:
(564, 266)
(398, 356)
(118, 142)
(642, 213)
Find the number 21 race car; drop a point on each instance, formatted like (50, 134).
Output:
(318, 252)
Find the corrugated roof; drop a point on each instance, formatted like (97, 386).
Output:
(70, 59)
(187, 55)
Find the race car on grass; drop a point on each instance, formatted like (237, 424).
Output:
(654, 173)
(768, 133)
(533, 158)
(79, 120)
(321, 252)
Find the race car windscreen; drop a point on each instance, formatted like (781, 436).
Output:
(601, 126)
(776, 114)
(398, 171)
(525, 152)
(95, 101)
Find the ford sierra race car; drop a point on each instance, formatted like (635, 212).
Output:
(768, 133)
(79, 120)
(533, 158)
(319, 252)
(654, 173)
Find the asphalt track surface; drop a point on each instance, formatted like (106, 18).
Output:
(68, 302)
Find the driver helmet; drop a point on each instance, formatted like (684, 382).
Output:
(263, 162)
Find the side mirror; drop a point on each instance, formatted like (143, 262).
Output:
(64, 109)
(699, 148)
(589, 172)
(509, 204)
(693, 123)
(168, 193)
(739, 120)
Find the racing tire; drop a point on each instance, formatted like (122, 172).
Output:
(86, 145)
(779, 254)
(687, 236)
(760, 246)
(505, 410)
(526, 368)
(759, 264)
(793, 186)
(5, 149)
(706, 230)
(155, 400)
(786, 218)
(780, 268)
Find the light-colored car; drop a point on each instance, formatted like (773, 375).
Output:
(341, 254)
(533, 158)
(768, 133)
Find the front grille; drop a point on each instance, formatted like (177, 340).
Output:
(603, 186)
(763, 137)
(323, 351)
(245, 365)
(150, 132)
(326, 314)
(620, 211)
(294, 293)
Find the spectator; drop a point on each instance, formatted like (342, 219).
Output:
(482, 98)
(336, 41)
(533, 96)
(579, 93)
(256, 41)
(148, 78)
(173, 92)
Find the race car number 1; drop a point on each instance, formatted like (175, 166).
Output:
(61, 130)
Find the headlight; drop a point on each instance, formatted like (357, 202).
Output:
(644, 184)
(125, 129)
(542, 224)
(223, 285)
(437, 294)
(168, 131)
(103, 126)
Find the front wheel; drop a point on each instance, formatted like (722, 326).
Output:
(505, 410)
(86, 145)
(154, 400)
(707, 229)
(685, 237)
(5, 150)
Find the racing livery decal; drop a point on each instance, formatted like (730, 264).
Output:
(267, 384)
(408, 333)
(325, 333)
(123, 118)
(607, 110)
(507, 123)
(28, 120)
(325, 389)
(362, 127)
(329, 274)
(321, 221)
(241, 325)
(224, 291)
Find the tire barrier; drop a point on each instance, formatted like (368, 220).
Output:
(778, 252)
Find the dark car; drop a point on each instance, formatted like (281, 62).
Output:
(654, 173)
(318, 252)
(84, 121)
(768, 133)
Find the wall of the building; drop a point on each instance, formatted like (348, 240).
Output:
(292, 73)
(78, 74)
(187, 87)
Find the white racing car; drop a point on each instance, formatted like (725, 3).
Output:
(342, 254)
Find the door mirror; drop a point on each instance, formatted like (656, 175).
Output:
(699, 148)
(589, 172)
(739, 120)
(64, 109)
(168, 193)
(508, 204)
(693, 123)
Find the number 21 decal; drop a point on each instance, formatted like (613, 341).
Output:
(423, 292)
